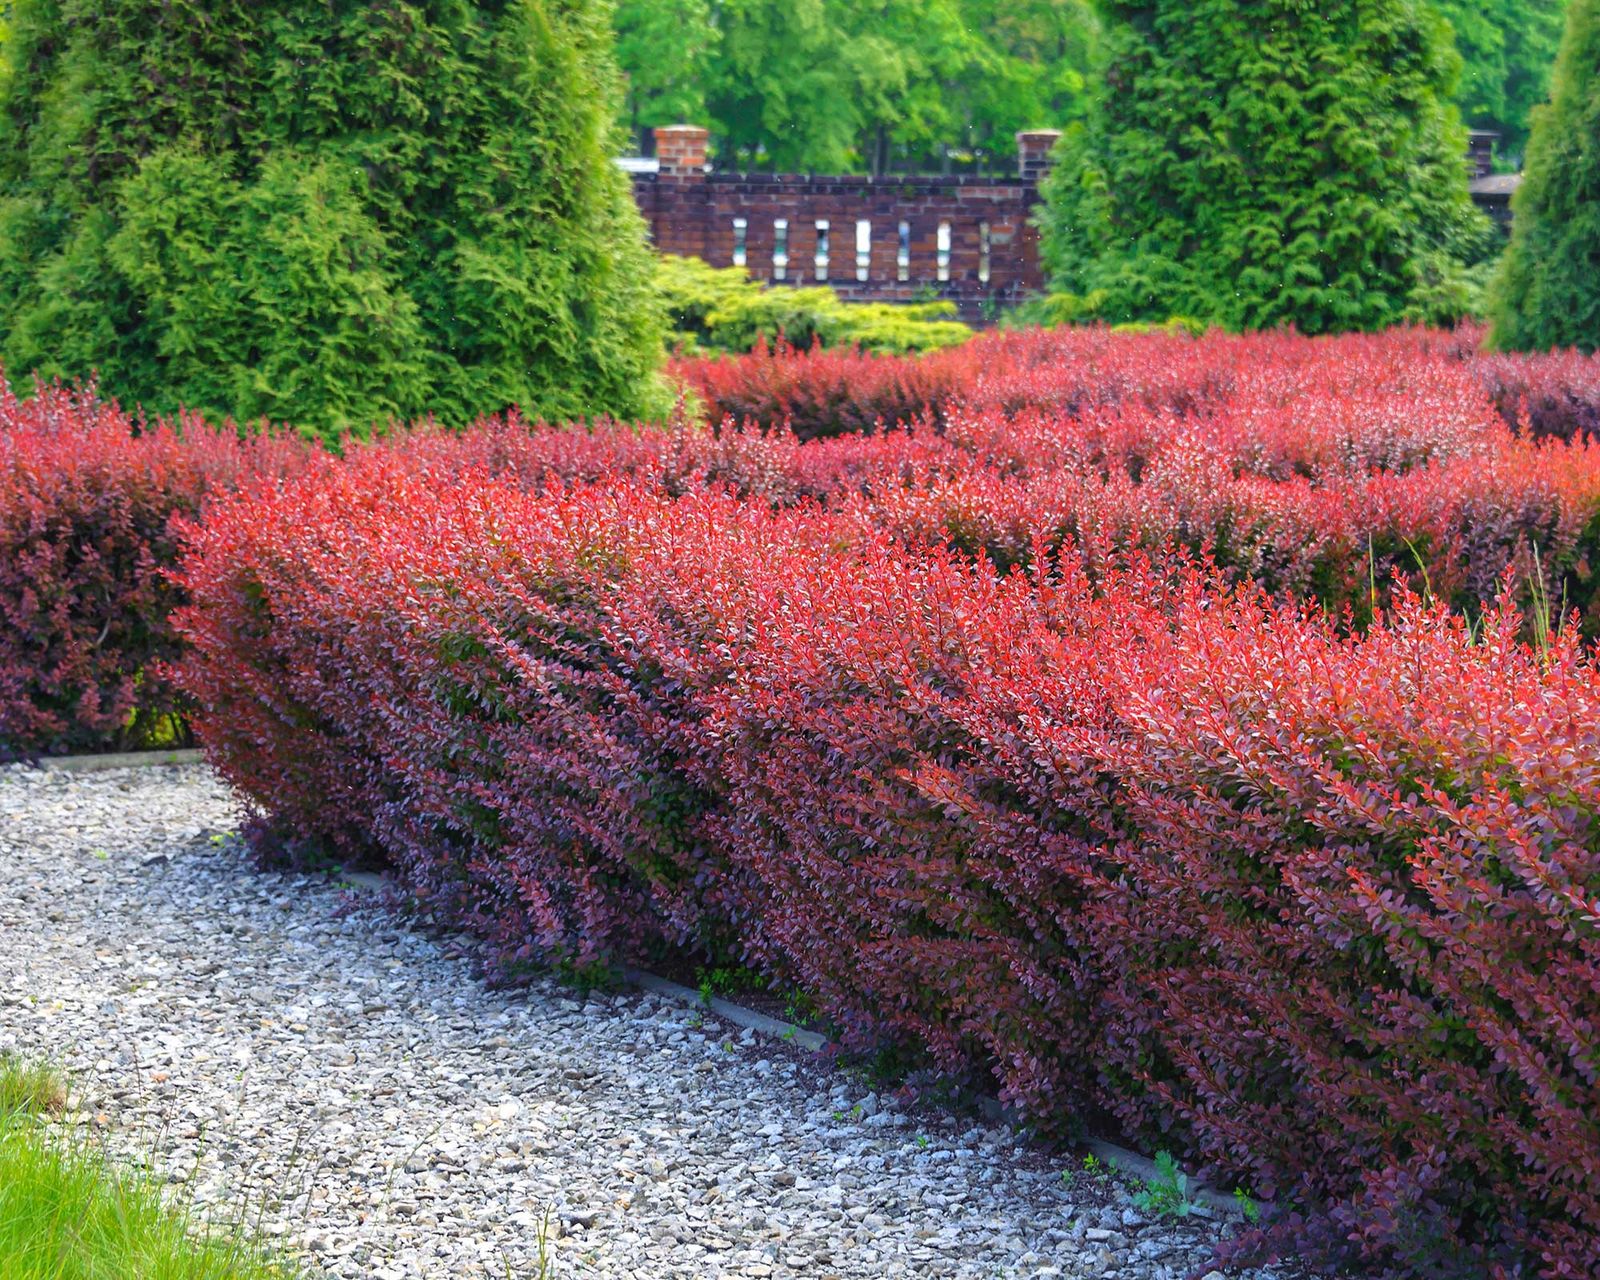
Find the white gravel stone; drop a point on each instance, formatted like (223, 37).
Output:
(275, 1042)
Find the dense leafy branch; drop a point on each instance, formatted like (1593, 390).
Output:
(332, 213)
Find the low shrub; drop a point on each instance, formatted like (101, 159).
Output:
(1346, 916)
(1553, 394)
(723, 309)
(500, 592)
(1455, 529)
(1068, 370)
(87, 503)
(815, 392)
(1316, 907)
(1336, 497)
(1301, 902)
(1329, 468)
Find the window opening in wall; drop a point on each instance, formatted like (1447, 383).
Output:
(944, 250)
(863, 248)
(739, 228)
(780, 248)
(902, 257)
(983, 252)
(822, 249)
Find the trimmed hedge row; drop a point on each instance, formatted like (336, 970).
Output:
(825, 392)
(1317, 908)
(1333, 469)
(1339, 498)
(88, 498)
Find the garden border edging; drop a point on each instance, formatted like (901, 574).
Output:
(158, 759)
(1207, 1202)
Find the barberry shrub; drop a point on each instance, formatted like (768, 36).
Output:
(816, 392)
(1316, 906)
(87, 537)
(1065, 371)
(1333, 469)
(334, 215)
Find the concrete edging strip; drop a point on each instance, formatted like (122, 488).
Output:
(119, 760)
(734, 1013)
(1207, 1203)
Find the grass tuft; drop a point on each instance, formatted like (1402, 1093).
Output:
(69, 1213)
(30, 1088)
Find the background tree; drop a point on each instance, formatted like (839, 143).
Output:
(325, 213)
(1038, 58)
(829, 85)
(1508, 48)
(1548, 291)
(1254, 163)
(847, 86)
(666, 50)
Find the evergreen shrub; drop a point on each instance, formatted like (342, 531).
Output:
(1547, 293)
(332, 215)
(723, 309)
(1260, 163)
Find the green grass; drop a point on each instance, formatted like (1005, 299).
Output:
(30, 1088)
(69, 1213)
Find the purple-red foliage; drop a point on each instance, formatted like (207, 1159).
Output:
(828, 392)
(1553, 394)
(87, 501)
(1307, 891)
(1317, 908)
(818, 392)
(1334, 469)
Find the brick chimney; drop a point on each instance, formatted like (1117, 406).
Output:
(1033, 152)
(681, 150)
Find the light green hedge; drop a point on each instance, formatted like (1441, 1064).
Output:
(723, 309)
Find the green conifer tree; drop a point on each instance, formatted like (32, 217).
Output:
(329, 213)
(1255, 163)
(1547, 293)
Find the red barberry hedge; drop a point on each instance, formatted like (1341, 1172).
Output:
(1553, 394)
(827, 392)
(87, 503)
(1238, 812)
(1320, 908)
(817, 392)
(1333, 469)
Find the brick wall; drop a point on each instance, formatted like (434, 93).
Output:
(889, 239)
(968, 239)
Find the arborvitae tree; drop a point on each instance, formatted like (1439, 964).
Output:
(325, 213)
(1255, 163)
(1548, 291)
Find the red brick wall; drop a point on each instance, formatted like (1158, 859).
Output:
(691, 211)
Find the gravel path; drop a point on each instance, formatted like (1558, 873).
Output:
(271, 1041)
